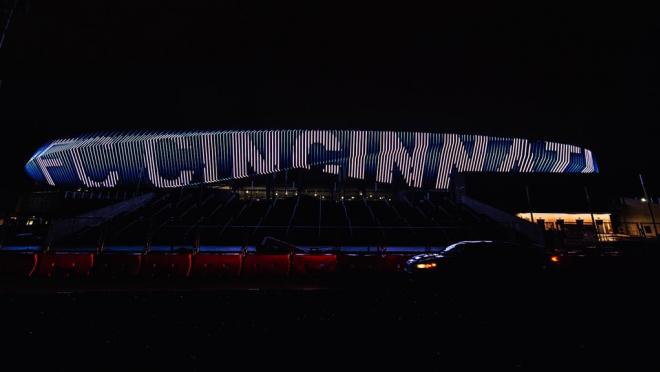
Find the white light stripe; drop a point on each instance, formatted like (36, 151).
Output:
(519, 153)
(563, 155)
(454, 154)
(223, 155)
(589, 162)
(393, 152)
(185, 176)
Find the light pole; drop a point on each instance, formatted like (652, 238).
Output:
(648, 203)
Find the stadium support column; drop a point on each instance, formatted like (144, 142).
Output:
(529, 204)
(457, 186)
(591, 212)
(269, 186)
(286, 179)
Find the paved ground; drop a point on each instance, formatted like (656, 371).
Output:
(603, 321)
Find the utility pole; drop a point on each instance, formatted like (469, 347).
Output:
(648, 203)
(6, 14)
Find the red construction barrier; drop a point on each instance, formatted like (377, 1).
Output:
(393, 263)
(118, 265)
(166, 265)
(358, 263)
(18, 263)
(310, 264)
(216, 264)
(266, 264)
(65, 264)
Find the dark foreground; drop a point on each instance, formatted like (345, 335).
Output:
(593, 321)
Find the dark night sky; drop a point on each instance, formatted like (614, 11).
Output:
(588, 77)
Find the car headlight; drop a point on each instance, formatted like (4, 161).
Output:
(424, 266)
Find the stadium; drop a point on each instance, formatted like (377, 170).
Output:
(278, 202)
(193, 183)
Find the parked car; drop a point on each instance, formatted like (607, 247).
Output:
(481, 257)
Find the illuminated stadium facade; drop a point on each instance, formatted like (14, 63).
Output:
(330, 215)
(176, 159)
